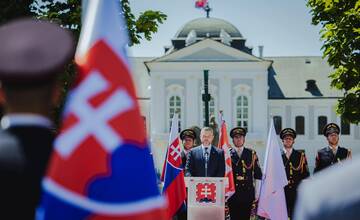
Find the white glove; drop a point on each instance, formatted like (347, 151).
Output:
(257, 189)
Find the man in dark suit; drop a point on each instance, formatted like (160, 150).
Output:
(206, 159)
(31, 55)
(333, 153)
(187, 137)
(247, 175)
(295, 167)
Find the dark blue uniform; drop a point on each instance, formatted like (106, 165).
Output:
(325, 157)
(245, 170)
(296, 170)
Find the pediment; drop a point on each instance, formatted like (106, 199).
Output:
(207, 50)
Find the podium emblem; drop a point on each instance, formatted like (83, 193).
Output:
(206, 192)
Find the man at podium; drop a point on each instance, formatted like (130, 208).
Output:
(205, 160)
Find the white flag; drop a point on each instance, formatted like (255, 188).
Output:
(272, 203)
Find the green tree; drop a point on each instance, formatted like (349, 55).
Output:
(68, 14)
(340, 31)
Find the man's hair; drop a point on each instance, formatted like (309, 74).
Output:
(207, 129)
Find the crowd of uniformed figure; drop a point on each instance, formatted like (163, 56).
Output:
(246, 169)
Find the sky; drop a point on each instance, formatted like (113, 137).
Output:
(283, 27)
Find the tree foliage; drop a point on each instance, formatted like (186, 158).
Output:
(68, 14)
(340, 31)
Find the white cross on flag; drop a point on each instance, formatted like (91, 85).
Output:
(101, 166)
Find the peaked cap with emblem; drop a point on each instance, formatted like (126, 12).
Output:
(33, 51)
(287, 131)
(188, 133)
(331, 128)
(237, 131)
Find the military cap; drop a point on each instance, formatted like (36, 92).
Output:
(237, 131)
(188, 133)
(331, 128)
(33, 51)
(287, 131)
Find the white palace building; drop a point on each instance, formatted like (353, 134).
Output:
(250, 90)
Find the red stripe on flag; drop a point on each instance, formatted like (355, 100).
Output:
(224, 144)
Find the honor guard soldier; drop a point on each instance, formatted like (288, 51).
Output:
(187, 137)
(247, 175)
(332, 153)
(32, 55)
(296, 168)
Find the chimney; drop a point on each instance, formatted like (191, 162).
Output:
(167, 48)
(261, 49)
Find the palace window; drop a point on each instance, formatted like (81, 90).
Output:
(300, 125)
(174, 107)
(175, 104)
(242, 111)
(322, 121)
(277, 123)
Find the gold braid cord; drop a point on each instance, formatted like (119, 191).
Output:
(252, 162)
(301, 164)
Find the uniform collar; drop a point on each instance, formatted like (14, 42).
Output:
(25, 119)
(290, 151)
(334, 151)
(239, 150)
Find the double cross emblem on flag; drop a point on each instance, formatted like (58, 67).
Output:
(206, 192)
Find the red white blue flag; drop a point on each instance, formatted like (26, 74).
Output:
(101, 167)
(224, 144)
(174, 183)
(200, 3)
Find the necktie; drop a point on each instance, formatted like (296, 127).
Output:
(288, 154)
(206, 156)
(206, 153)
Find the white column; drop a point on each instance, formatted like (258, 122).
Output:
(158, 102)
(192, 101)
(260, 104)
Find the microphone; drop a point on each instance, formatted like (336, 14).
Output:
(206, 162)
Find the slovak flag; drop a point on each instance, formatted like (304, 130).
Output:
(101, 167)
(200, 3)
(174, 183)
(224, 144)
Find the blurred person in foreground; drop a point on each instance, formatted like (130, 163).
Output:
(333, 194)
(32, 54)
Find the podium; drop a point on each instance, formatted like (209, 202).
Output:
(206, 198)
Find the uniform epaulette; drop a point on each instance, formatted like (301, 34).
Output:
(349, 154)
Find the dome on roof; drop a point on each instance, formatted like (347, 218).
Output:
(208, 27)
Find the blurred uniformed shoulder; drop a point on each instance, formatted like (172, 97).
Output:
(343, 194)
(11, 155)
